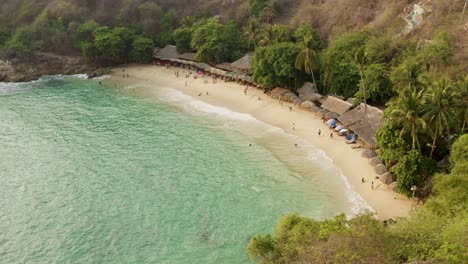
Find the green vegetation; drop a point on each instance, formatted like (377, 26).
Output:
(420, 78)
(436, 232)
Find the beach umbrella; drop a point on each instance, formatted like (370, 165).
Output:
(338, 128)
(331, 122)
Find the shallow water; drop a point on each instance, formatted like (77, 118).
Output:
(90, 174)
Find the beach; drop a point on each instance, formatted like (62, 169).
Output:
(384, 202)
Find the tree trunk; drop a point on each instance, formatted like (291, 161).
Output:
(363, 91)
(313, 79)
(448, 138)
(433, 142)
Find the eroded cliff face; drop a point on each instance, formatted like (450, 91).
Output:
(21, 70)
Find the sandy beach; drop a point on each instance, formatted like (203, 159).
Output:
(386, 203)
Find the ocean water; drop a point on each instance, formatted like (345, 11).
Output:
(93, 174)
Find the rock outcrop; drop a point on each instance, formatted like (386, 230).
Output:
(22, 70)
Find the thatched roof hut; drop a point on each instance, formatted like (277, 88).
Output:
(167, 53)
(336, 105)
(243, 64)
(365, 127)
(224, 66)
(188, 56)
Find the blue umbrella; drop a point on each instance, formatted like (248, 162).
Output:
(331, 122)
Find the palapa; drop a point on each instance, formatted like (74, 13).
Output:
(336, 105)
(243, 64)
(365, 126)
(188, 56)
(167, 53)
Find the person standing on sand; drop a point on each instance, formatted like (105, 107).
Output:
(331, 134)
(319, 132)
(372, 185)
(362, 180)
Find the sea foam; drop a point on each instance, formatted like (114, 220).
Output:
(314, 154)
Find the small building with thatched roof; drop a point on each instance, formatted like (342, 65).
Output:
(188, 56)
(364, 126)
(167, 53)
(243, 64)
(226, 66)
(336, 105)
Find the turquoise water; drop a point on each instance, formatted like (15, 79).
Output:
(90, 174)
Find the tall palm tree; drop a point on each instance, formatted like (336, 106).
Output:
(407, 112)
(438, 108)
(359, 59)
(252, 31)
(306, 59)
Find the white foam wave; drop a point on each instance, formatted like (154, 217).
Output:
(80, 76)
(100, 78)
(358, 204)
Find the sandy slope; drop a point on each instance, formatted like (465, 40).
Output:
(385, 202)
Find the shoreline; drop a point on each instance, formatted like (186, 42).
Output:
(304, 124)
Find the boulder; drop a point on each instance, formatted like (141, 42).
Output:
(297, 101)
(314, 109)
(375, 161)
(368, 154)
(332, 115)
(308, 92)
(307, 105)
(323, 112)
(387, 178)
(380, 169)
(394, 186)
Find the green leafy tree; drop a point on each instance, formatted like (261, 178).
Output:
(407, 112)
(391, 145)
(460, 103)
(438, 53)
(4, 31)
(251, 32)
(113, 45)
(84, 33)
(257, 6)
(307, 59)
(216, 43)
(439, 112)
(23, 42)
(359, 59)
(150, 14)
(274, 65)
(340, 75)
(275, 34)
(168, 25)
(379, 88)
(407, 74)
(306, 31)
(142, 49)
(412, 169)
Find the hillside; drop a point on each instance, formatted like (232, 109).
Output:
(331, 17)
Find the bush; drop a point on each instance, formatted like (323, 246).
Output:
(412, 169)
(142, 49)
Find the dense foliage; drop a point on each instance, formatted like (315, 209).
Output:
(436, 232)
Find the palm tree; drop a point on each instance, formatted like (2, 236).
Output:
(461, 102)
(407, 75)
(438, 104)
(306, 59)
(407, 112)
(252, 31)
(359, 59)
